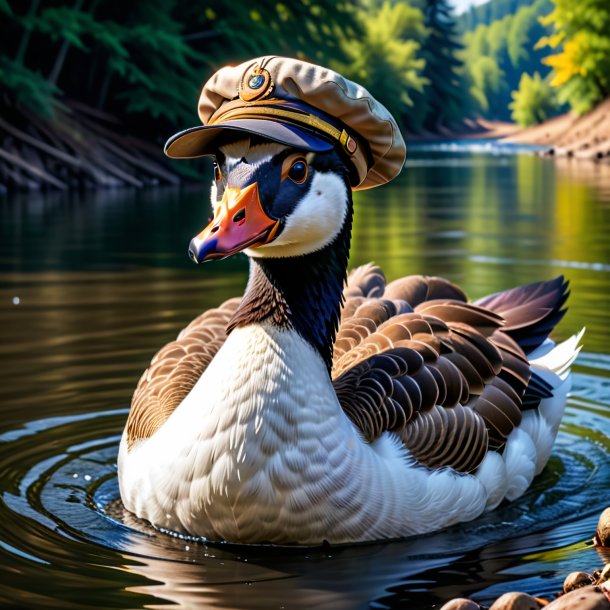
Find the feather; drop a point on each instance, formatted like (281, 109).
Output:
(175, 369)
(449, 376)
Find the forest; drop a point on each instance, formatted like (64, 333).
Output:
(78, 67)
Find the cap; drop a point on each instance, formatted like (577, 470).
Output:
(299, 104)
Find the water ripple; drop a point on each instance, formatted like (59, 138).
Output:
(60, 489)
(88, 320)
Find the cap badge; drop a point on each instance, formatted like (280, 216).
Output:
(256, 81)
(255, 85)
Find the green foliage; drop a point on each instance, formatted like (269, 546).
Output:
(65, 23)
(385, 58)
(581, 94)
(533, 102)
(487, 81)
(443, 102)
(307, 29)
(496, 55)
(581, 67)
(484, 75)
(486, 13)
(29, 87)
(146, 60)
(523, 28)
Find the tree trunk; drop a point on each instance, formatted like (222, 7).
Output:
(25, 39)
(63, 51)
(101, 100)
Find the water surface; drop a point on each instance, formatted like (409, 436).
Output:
(91, 285)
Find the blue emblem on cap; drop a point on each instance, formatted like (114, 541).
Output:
(256, 81)
(256, 84)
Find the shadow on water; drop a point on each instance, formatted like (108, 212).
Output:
(92, 285)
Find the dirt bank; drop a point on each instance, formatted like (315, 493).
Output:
(581, 137)
(79, 147)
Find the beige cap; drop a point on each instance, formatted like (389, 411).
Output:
(300, 104)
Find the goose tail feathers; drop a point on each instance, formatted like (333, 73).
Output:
(531, 312)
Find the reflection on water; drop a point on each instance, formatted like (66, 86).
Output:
(100, 281)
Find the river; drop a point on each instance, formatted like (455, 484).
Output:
(92, 284)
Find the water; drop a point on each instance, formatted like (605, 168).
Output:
(92, 285)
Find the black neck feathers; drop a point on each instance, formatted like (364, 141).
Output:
(304, 292)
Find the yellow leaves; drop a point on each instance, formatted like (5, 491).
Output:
(552, 41)
(570, 62)
(549, 19)
(581, 39)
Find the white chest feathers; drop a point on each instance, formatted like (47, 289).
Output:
(253, 440)
(260, 451)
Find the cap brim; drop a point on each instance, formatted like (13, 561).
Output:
(203, 140)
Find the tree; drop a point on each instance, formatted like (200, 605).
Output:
(28, 86)
(483, 59)
(497, 54)
(487, 83)
(485, 13)
(533, 102)
(147, 59)
(444, 94)
(581, 67)
(385, 59)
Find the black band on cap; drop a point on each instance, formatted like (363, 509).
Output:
(280, 110)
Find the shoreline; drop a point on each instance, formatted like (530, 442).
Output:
(78, 148)
(569, 136)
(38, 155)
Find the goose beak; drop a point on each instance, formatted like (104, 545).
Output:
(239, 222)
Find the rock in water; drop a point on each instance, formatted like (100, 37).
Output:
(605, 575)
(575, 580)
(515, 601)
(586, 598)
(461, 603)
(602, 535)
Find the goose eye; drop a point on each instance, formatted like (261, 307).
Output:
(298, 171)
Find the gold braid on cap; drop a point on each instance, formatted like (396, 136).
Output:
(267, 110)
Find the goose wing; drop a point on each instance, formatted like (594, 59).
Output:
(175, 369)
(415, 358)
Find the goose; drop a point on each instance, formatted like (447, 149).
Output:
(323, 406)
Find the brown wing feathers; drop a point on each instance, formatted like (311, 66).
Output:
(412, 357)
(531, 311)
(419, 360)
(453, 437)
(175, 369)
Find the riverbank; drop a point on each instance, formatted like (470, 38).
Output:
(470, 129)
(78, 147)
(82, 147)
(569, 135)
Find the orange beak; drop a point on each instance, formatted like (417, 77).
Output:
(239, 222)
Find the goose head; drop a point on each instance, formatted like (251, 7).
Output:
(270, 200)
(291, 140)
